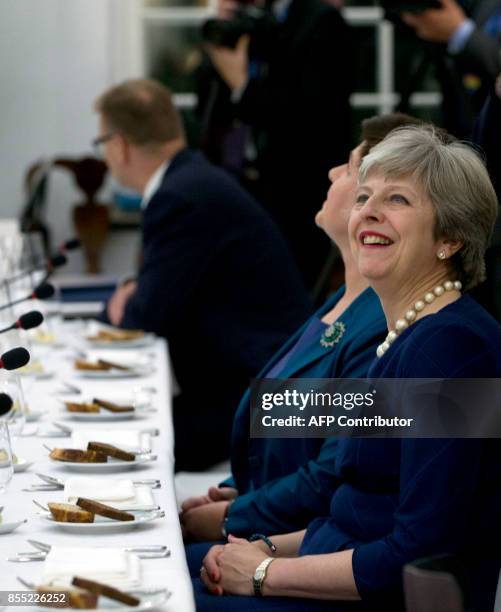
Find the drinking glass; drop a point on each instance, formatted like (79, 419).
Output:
(10, 383)
(6, 461)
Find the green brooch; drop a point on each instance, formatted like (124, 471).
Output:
(333, 334)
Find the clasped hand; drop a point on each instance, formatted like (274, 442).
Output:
(201, 517)
(230, 568)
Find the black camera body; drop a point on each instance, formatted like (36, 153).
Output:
(257, 22)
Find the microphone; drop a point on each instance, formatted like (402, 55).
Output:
(28, 320)
(6, 404)
(42, 292)
(70, 245)
(49, 266)
(15, 358)
(55, 262)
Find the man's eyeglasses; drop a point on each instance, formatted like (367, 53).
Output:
(99, 141)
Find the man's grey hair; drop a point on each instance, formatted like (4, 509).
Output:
(454, 178)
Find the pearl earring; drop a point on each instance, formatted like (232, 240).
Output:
(441, 254)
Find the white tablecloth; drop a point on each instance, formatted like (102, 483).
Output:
(171, 572)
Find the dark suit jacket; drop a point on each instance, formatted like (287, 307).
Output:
(481, 56)
(218, 282)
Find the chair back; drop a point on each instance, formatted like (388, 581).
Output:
(431, 585)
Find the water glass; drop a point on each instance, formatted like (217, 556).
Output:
(6, 460)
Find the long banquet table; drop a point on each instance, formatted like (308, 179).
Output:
(170, 572)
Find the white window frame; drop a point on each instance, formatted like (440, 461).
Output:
(128, 49)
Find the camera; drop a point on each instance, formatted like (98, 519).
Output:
(248, 19)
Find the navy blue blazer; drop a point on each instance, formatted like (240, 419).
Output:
(218, 282)
(285, 483)
(399, 500)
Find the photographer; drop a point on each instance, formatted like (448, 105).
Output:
(471, 59)
(290, 82)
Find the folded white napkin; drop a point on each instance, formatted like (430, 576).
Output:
(123, 438)
(112, 566)
(99, 489)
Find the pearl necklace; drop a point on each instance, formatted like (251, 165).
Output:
(411, 314)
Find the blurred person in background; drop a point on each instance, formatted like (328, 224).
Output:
(216, 280)
(468, 54)
(279, 108)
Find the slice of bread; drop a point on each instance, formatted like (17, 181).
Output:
(74, 455)
(111, 406)
(80, 364)
(111, 365)
(79, 599)
(111, 451)
(117, 335)
(68, 513)
(75, 407)
(107, 591)
(96, 507)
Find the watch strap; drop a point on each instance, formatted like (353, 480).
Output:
(260, 575)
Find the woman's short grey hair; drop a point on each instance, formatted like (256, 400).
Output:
(455, 180)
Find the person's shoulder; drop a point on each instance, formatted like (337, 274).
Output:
(192, 164)
(193, 185)
(464, 317)
(193, 177)
(460, 340)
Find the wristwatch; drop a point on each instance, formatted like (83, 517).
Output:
(260, 575)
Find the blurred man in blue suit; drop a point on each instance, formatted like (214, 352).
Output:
(467, 35)
(216, 278)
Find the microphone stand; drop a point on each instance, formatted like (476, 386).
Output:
(8, 295)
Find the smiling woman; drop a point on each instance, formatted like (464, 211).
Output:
(420, 185)
(424, 207)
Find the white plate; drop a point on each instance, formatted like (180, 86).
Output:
(34, 415)
(112, 374)
(144, 341)
(111, 466)
(54, 342)
(138, 364)
(150, 601)
(144, 500)
(141, 401)
(93, 328)
(102, 524)
(105, 416)
(132, 440)
(22, 465)
(36, 375)
(8, 527)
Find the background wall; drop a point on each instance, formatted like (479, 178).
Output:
(56, 56)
